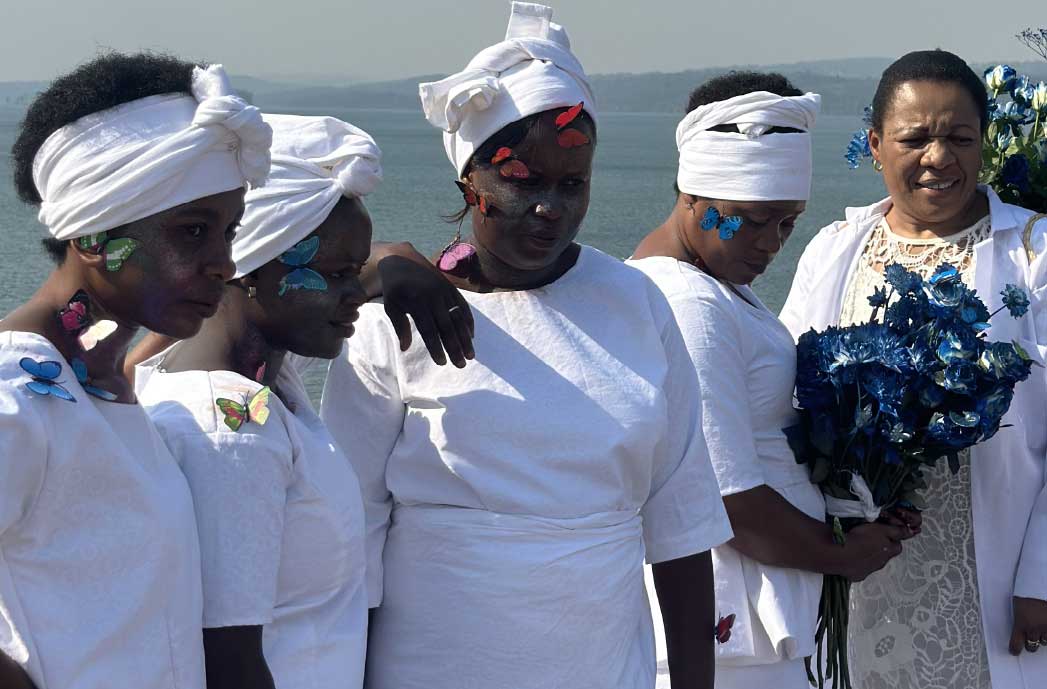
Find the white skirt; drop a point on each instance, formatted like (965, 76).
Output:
(486, 600)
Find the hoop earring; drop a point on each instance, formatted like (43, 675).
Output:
(252, 291)
(877, 165)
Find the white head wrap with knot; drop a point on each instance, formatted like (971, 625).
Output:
(316, 161)
(748, 165)
(126, 163)
(531, 71)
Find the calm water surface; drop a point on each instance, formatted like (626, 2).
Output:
(631, 193)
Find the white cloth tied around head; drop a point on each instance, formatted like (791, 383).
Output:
(864, 507)
(748, 165)
(531, 71)
(126, 163)
(316, 162)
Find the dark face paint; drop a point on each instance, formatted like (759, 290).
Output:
(175, 276)
(314, 322)
(766, 225)
(532, 220)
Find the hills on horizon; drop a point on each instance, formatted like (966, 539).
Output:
(846, 85)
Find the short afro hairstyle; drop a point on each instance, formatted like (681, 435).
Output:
(929, 65)
(739, 83)
(107, 81)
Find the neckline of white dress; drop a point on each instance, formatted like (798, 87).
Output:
(954, 238)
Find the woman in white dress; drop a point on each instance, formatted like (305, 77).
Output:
(744, 179)
(510, 505)
(966, 604)
(278, 505)
(138, 164)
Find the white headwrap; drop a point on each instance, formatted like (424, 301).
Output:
(748, 165)
(137, 159)
(531, 71)
(316, 161)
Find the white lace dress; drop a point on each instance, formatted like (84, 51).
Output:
(917, 623)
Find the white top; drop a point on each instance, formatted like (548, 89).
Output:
(99, 561)
(1011, 543)
(281, 522)
(918, 621)
(746, 361)
(524, 489)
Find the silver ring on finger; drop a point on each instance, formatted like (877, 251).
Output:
(1031, 645)
(453, 308)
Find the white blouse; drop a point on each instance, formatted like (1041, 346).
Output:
(511, 503)
(99, 560)
(281, 521)
(746, 364)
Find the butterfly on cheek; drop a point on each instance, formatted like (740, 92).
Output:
(300, 276)
(254, 409)
(115, 251)
(728, 225)
(44, 375)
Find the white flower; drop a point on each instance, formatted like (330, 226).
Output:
(1039, 98)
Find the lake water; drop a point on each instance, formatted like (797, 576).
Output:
(632, 192)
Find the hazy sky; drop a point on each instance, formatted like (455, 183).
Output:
(380, 39)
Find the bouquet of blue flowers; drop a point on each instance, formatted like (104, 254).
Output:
(1014, 148)
(880, 401)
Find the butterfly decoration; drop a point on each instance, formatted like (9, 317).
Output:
(728, 226)
(75, 317)
(515, 169)
(571, 138)
(503, 153)
(260, 373)
(116, 251)
(95, 333)
(723, 629)
(80, 369)
(456, 256)
(472, 198)
(570, 115)
(300, 277)
(44, 374)
(255, 409)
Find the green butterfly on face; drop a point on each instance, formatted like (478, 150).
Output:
(116, 251)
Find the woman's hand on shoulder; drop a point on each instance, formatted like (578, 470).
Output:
(1029, 632)
(412, 286)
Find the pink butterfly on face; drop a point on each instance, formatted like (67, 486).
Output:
(455, 254)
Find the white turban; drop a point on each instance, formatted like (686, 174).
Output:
(748, 165)
(316, 161)
(146, 156)
(531, 71)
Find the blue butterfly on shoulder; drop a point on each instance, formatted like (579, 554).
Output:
(44, 374)
(301, 277)
(728, 226)
(80, 369)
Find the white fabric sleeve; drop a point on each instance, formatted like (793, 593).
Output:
(23, 452)
(239, 483)
(684, 513)
(1031, 578)
(714, 343)
(363, 410)
(794, 312)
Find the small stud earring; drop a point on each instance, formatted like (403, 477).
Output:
(252, 292)
(690, 206)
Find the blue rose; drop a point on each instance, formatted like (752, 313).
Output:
(931, 396)
(858, 148)
(1015, 172)
(1000, 77)
(959, 377)
(1022, 91)
(945, 431)
(1004, 361)
(945, 289)
(957, 345)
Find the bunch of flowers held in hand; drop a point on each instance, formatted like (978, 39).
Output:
(1014, 148)
(880, 401)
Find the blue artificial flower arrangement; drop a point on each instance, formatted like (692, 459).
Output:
(879, 401)
(1014, 149)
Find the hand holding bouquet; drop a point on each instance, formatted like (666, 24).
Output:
(881, 400)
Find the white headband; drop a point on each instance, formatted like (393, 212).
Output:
(146, 156)
(316, 161)
(748, 165)
(531, 71)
